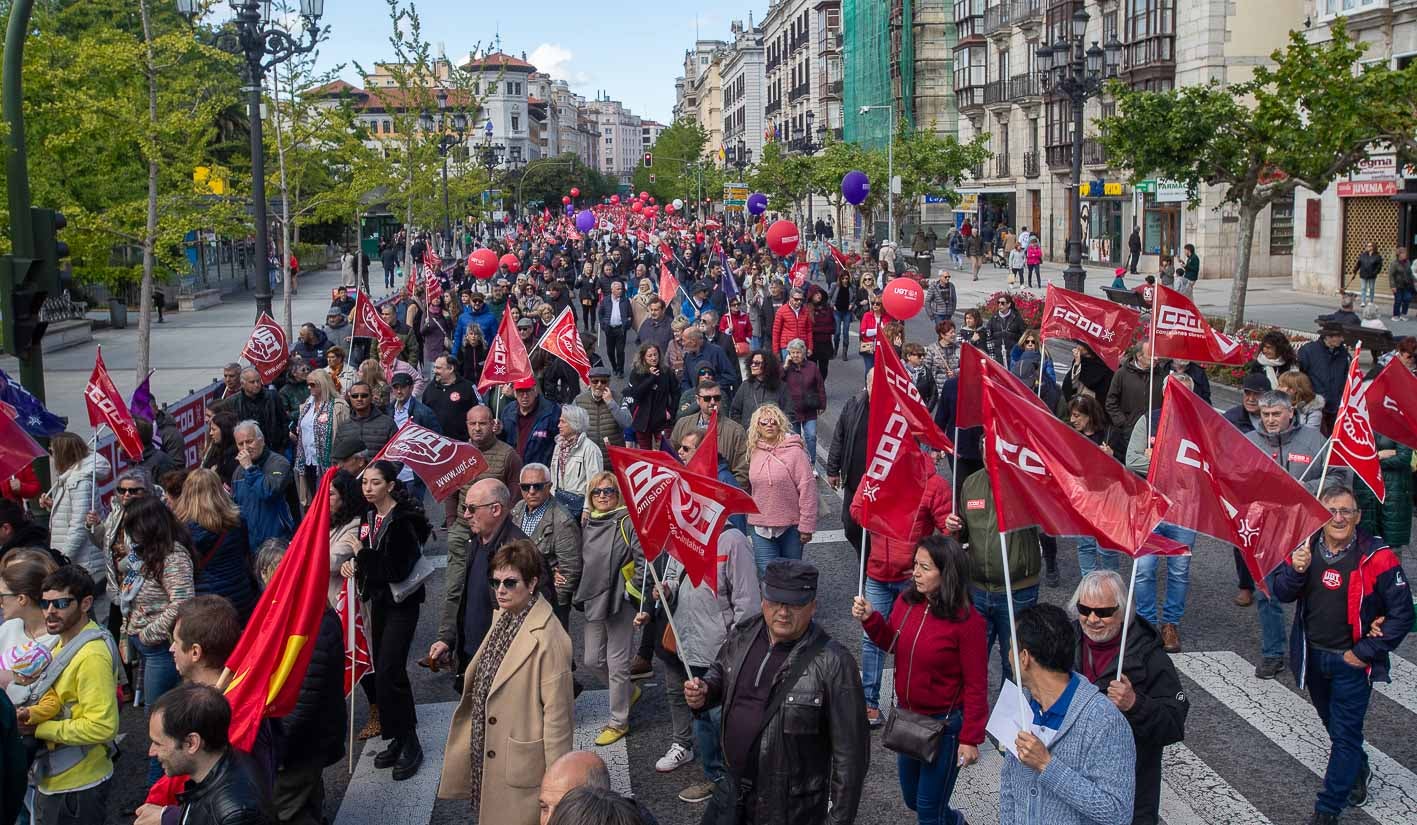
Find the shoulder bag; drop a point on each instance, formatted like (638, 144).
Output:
(909, 733)
(423, 570)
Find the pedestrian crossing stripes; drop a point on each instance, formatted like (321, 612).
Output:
(1192, 793)
(1403, 687)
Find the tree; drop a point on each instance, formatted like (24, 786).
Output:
(1305, 121)
(785, 178)
(545, 182)
(929, 164)
(678, 159)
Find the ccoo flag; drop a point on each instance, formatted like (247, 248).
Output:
(507, 361)
(106, 408)
(1183, 332)
(562, 340)
(1106, 327)
(1353, 440)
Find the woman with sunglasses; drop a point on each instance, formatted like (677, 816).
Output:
(316, 426)
(611, 591)
(943, 674)
(391, 536)
(869, 329)
(764, 386)
(1149, 692)
(515, 715)
(784, 488)
(1005, 328)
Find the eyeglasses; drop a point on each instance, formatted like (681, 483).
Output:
(1099, 612)
(509, 583)
(1342, 512)
(357, 395)
(58, 604)
(757, 362)
(683, 448)
(469, 509)
(533, 486)
(8, 595)
(129, 491)
(604, 491)
(710, 399)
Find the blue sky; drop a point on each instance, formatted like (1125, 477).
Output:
(633, 51)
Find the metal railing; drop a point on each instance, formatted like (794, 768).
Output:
(1031, 166)
(1001, 167)
(62, 307)
(799, 91)
(1022, 86)
(997, 17)
(996, 91)
(772, 108)
(1093, 152)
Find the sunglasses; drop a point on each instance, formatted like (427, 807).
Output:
(1099, 612)
(129, 491)
(58, 604)
(531, 487)
(509, 583)
(605, 491)
(354, 395)
(601, 382)
(469, 509)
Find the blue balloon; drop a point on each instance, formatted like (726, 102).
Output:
(757, 203)
(855, 187)
(585, 220)
(570, 210)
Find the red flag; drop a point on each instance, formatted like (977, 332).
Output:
(507, 361)
(840, 257)
(266, 349)
(704, 461)
(1183, 332)
(358, 660)
(1104, 326)
(562, 340)
(442, 463)
(107, 409)
(432, 288)
(907, 398)
(668, 284)
(798, 274)
(410, 284)
(269, 661)
(896, 468)
(368, 324)
(431, 259)
(17, 449)
(1045, 473)
(974, 367)
(1353, 440)
(1224, 486)
(677, 511)
(1392, 403)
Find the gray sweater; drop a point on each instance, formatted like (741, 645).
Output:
(1091, 778)
(701, 618)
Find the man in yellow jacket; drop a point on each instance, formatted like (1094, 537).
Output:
(72, 774)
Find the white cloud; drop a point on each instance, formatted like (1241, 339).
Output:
(555, 60)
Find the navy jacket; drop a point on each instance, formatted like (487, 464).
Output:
(713, 355)
(1327, 370)
(542, 442)
(626, 316)
(260, 493)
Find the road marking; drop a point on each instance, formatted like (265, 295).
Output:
(1193, 793)
(1403, 687)
(374, 797)
(1291, 723)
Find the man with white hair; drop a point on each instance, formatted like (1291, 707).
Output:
(1147, 692)
(259, 486)
(553, 530)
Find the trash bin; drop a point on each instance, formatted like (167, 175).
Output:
(117, 313)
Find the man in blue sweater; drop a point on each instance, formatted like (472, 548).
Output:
(258, 486)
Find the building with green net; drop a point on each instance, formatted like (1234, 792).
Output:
(897, 52)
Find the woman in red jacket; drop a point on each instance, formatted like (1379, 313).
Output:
(941, 667)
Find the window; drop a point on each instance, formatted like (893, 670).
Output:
(516, 123)
(1281, 226)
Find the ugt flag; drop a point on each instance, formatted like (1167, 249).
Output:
(443, 464)
(1353, 440)
(106, 409)
(266, 349)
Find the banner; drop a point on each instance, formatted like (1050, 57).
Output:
(106, 408)
(907, 397)
(267, 349)
(668, 285)
(1106, 327)
(974, 367)
(1391, 399)
(563, 340)
(507, 361)
(1183, 332)
(358, 660)
(897, 470)
(1353, 441)
(368, 324)
(444, 464)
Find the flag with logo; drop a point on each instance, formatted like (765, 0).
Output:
(1106, 327)
(32, 415)
(562, 340)
(1044, 473)
(1391, 399)
(432, 287)
(797, 275)
(1183, 332)
(368, 324)
(507, 361)
(840, 257)
(907, 397)
(17, 449)
(897, 470)
(1353, 442)
(358, 661)
(106, 408)
(266, 349)
(668, 284)
(974, 367)
(677, 511)
(443, 463)
(1221, 484)
(270, 659)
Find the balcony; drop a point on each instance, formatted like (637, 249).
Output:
(1093, 152)
(799, 91)
(969, 19)
(1001, 167)
(1060, 156)
(977, 171)
(830, 90)
(1150, 62)
(969, 85)
(797, 42)
(771, 65)
(996, 92)
(998, 17)
(772, 108)
(1031, 165)
(1023, 87)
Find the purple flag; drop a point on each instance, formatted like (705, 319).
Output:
(141, 404)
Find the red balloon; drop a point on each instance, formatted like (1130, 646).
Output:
(615, 199)
(669, 209)
(644, 196)
(511, 262)
(783, 238)
(482, 263)
(636, 206)
(565, 201)
(575, 193)
(651, 200)
(903, 298)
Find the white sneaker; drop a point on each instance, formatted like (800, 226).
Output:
(677, 757)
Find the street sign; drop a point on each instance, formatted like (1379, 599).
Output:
(735, 196)
(1367, 188)
(1165, 190)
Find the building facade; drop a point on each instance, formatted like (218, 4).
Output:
(743, 124)
(708, 94)
(1166, 44)
(900, 54)
(619, 140)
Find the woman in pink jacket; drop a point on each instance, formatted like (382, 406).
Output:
(783, 488)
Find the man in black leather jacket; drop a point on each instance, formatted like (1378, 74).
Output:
(188, 730)
(794, 716)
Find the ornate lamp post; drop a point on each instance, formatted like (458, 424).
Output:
(453, 132)
(1078, 73)
(262, 46)
(740, 157)
(809, 142)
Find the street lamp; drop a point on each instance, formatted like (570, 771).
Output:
(809, 142)
(453, 132)
(740, 157)
(262, 46)
(890, 168)
(1078, 74)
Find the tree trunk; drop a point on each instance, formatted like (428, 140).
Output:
(1248, 215)
(145, 292)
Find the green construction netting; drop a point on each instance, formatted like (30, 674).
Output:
(870, 72)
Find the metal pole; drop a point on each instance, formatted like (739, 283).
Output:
(249, 20)
(1075, 275)
(447, 219)
(890, 179)
(18, 182)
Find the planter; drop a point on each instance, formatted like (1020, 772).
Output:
(117, 314)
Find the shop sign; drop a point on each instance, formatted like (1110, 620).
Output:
(1101, 189)
(1377, 167)
(929, 199)
(1164, 190)
(735, 195)
(968, 202)
(1367, 188)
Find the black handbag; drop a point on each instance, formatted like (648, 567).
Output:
(909, 733)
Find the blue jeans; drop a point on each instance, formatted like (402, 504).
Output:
(869, 358)
(1092, 557)
(927, 788)
(159, 676)
(841, 336)
(708, 746)
(1368, 293)
(1340, 693)
(816, 269)
(754, 342)
(881, 595)
(1271, 622)
(786, 546)
(994, 607)
(808, 430)
(1178, 579)
(1401, 300)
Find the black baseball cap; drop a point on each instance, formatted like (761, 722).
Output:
(790, 581)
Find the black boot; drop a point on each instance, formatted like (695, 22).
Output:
(410, 758)
(388, 756)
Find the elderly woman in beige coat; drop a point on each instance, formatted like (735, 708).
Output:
(515, 717)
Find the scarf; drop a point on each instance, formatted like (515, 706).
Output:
(494, 649)
(324, 413)
(133, 580)
(563, 453)
(1098, 657)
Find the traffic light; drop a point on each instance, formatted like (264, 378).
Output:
(649, 159)
(31, 282)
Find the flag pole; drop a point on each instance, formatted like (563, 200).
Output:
(669, 614)
(954, 471)
(1127, 618)
(353, 655)
(865, 551)
(93, 470)
(1042, 358)
(1151, 367)
(1305, 474)
(1013, 628)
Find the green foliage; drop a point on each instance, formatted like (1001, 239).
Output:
(785, 178)
(678, 164)
(546, 181)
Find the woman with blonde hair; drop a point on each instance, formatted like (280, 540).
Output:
(69, 501)
(674, 353)
(316, 427)
(1308, 405)
(371, 372)
(639, 305)
(780, 476)
(221, 547)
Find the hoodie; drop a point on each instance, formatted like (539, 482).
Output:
(783, 486)
(73, 495)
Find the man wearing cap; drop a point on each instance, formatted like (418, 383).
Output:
(530, 425)
(696, 304)
(608, 418)
(615, 315)
(348, 453)
(1326, 362)
(337, 330)
(699, 352)
(526, 327)
(403, 407)
(793, 727)
(1246, 415)
(450, 397)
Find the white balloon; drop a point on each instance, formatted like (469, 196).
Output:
(678, 204)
